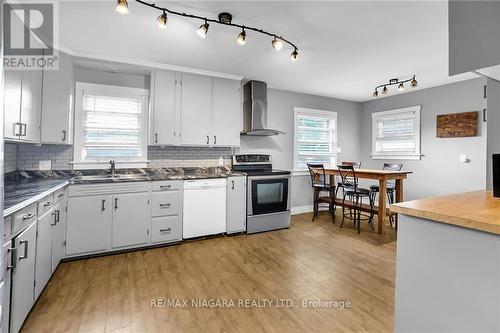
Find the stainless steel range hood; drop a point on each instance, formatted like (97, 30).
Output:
(255, 110)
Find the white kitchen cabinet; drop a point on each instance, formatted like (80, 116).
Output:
(59, 234)
(7, 270)
(236, 204)
(12, 104)
(31, 104)
(43, 267)
(131, 216)
(166, 229)
(57, 103)
(227, 111)
(88, 224)
(23, 277)
(196, 110)
(165, 119)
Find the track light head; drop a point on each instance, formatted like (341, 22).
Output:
(401, 87)
(162, 21)
(203, 30)
(385, 90)
(242, 37)
(375, 93)
(295, 55)
(277, 43)
(413, 83)
(122, 7)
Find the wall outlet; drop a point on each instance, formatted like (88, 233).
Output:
(221, 160)
(45, 165)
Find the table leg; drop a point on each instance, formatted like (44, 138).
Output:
(382, 194)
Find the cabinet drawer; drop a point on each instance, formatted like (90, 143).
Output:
(24, 217)
(59, 194)
(166, 203)
(167, 185)
(7, 228)
(166, 229)
(45, 204)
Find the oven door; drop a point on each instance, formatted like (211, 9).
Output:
(268, 194)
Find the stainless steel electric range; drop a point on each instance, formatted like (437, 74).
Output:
(268, 193)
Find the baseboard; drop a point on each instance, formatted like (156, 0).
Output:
(302, 209)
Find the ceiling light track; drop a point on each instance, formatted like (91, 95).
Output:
(392, 82)
(224, 19)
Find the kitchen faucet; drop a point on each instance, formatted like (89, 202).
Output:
(112, 168)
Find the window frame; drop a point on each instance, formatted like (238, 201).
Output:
(114, 91)
(311, 112)
(395, 156)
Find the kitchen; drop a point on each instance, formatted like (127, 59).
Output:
(156, 184)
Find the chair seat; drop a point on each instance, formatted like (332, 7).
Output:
(358, 191)
(390, 188)
(323, 187)
(324, 200)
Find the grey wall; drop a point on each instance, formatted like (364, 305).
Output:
(493, 135)
(115, 79)
(474, 27)
(280, 116)
(439, 171)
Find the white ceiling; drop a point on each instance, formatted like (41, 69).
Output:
(346, 47)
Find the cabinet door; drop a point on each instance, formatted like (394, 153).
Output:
(7, 270)
(88, 224)
(31, 104)
(236, 204)
(166, 109)
(23, 277)
(131, 219)
(227, 112)
(57, 103)
(43, 268)
(196, 109)
(12, 104)
(59, 235)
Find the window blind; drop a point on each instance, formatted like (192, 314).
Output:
(111, 128)
(396, 134)
(315, 140)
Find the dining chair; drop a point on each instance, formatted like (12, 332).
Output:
(340, 185)
(356, 194)
(319, 184)
(391, 186)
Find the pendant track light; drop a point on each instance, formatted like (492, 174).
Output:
(242, 37)
(122, 7)
(399, 83)
(223, 19)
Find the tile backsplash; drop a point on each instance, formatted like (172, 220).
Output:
(28, 156)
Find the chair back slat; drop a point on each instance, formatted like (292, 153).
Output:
(393, 166)
(348, 176)
(317, 173)
(356, 165)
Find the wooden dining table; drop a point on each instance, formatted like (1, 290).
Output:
(383, 176)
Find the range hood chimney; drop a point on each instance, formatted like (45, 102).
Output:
(255, 110)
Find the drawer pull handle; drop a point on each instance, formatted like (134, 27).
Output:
(54, 213)
(166, 230)
(60, 195)
(29, 216)
(165, 187)
(47, 204)
(102, 207)
(116, 203)
(25, 255)
(167, 205)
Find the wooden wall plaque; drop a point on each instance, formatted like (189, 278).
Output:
(457, 125)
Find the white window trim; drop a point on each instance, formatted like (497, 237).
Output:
(78, 162)
(417, 156)
(308, 111)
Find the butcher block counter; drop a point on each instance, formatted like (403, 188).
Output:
(448, 264)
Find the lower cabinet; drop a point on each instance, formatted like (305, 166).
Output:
(88, 225)
(23, 277)
(166, 229)
(131, 215)
(236, 212)
(7, 271)
(43, 268)
(59, 234)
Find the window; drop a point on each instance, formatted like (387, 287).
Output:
(315, 138)
(396, 134)
(110, 124)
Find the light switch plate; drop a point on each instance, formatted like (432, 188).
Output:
(45, 165)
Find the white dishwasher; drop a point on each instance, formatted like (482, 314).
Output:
(204, 207)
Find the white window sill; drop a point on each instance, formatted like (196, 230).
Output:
(83, 165)
(396, 157)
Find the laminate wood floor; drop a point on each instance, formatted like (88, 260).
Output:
(308, 261)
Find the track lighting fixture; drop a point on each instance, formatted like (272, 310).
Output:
(121, 7)
(399, 83)
(223, 19)
(277, 43)
(242, 37)
(162, 21)
(203, 30)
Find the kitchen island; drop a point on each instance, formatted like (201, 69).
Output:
(448, 264)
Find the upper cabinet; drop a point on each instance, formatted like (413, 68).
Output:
(57, 103)
(195, 110)
(12, 104)
(196, 113)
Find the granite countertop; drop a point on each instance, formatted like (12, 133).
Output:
(477, 210)
(23, 188)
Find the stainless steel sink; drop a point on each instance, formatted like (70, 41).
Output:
(110, 178)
